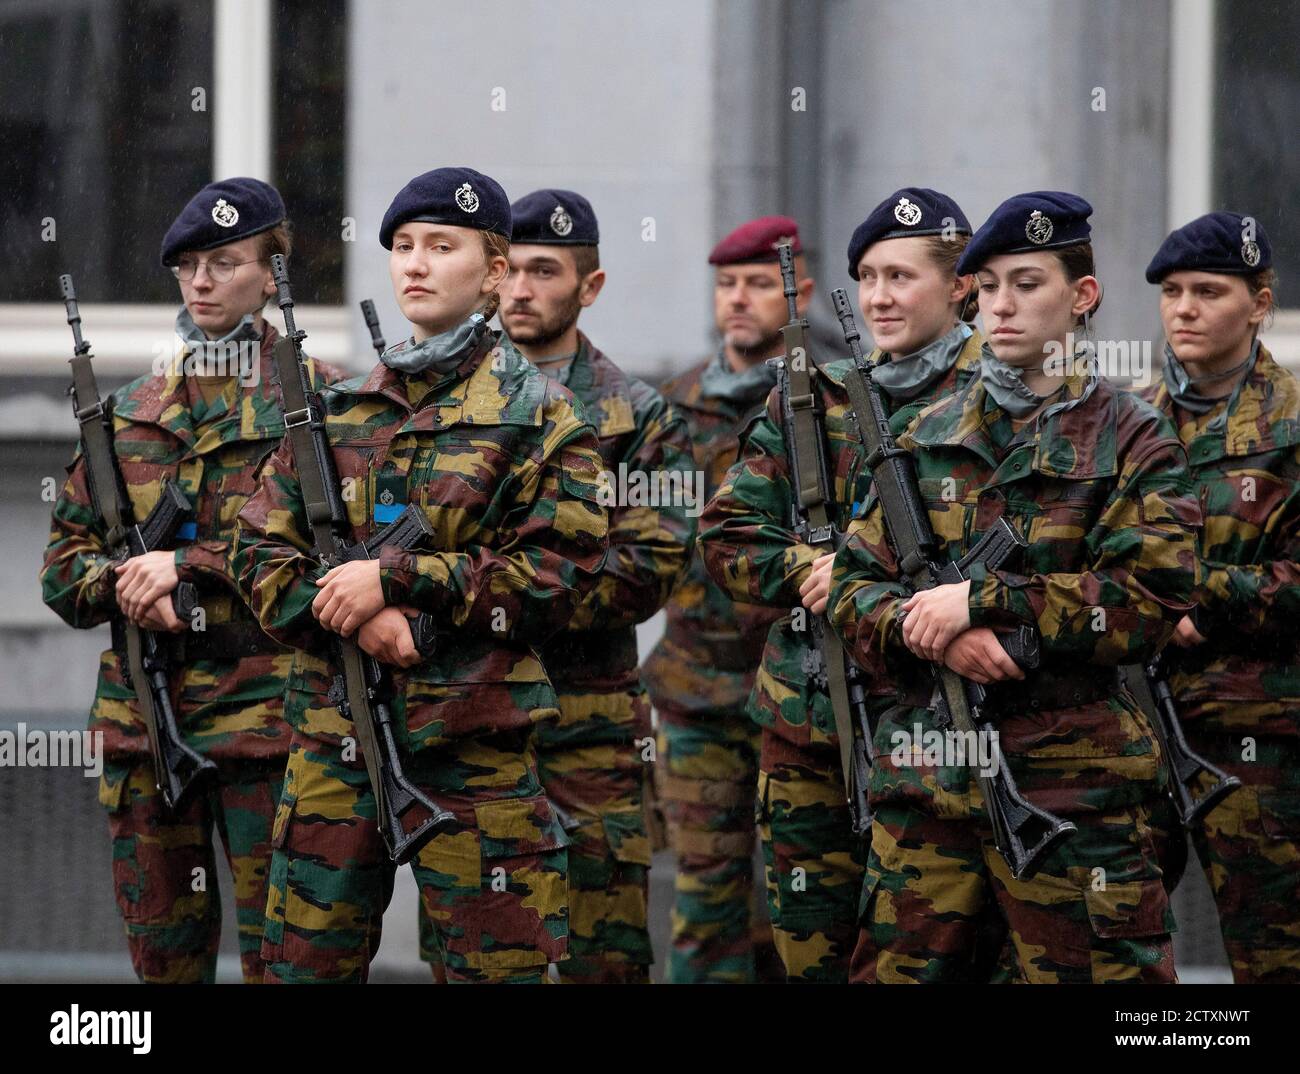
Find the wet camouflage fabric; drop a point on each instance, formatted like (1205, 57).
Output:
(594, 758)
(493, 886)
(172, 930)
(1247, 476)
(699, 677)
(931, 881)
(1243, 684)
(751, 551)
(1101, 492)
(1247, 846)
(227, 709)
(507, 471)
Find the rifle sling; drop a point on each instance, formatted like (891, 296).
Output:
(814, 498)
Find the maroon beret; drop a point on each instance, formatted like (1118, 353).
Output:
(756, 241)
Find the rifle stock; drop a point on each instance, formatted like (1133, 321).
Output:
(1196, 785)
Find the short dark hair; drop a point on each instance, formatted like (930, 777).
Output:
(1078, 262)
(586, 259)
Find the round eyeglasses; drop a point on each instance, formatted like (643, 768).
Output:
(220, 269)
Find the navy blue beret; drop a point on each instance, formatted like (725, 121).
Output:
(460, 197)
(554, 218)
(223, 212)
(1216, 242)
(914, 210)
(1039, 220)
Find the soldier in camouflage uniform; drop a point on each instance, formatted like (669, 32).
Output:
(1097, 483)
(593, 760)
(1235, 670)
(203, 423)
(903, 256)
(702, 671)
(507, 472)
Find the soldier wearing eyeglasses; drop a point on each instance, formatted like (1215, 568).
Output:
(203, 421)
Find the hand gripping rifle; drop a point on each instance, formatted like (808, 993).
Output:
(372, 323)
(179, 770)
(1023, 833)
(363, 691)
(1188, 770)
(813, 521)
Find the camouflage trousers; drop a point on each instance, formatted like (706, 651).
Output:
(1249, 847)
(706, 777)
(1096, 911)
(593, 771)
(493, 886)
(814, 864)
(164, 867)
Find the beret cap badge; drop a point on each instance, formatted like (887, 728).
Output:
(1038, 228)
(1250, 252)
(466, 198)
(907, 213)
(561, 221)
(224, 214)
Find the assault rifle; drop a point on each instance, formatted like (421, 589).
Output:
(812, 518)
(363, 690)
(179, 770)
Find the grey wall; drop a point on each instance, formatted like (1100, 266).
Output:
(613, 100)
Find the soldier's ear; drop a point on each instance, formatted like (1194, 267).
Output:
(590, 286)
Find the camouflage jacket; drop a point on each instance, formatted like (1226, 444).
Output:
(1102, 495)
(226, 707)
(711, 648)
(649, 542)
(1247, 474)
(507, 470)
(752, 552)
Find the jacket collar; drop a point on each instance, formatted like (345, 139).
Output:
(1066, 444)
(603, 389)
(163, 400)
(1263, 417)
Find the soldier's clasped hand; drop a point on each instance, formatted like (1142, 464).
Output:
(935, 617)
(141, 580)
(978, 655)
(816, 588)
(350, 595)
(387, 637)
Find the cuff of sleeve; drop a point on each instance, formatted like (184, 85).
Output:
(193, 560)
(988, 601)
(396, 574)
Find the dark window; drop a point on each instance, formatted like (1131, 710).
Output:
(1256, 116)
(98, 132)
(310, 72)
